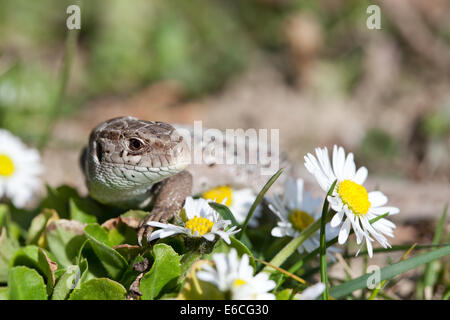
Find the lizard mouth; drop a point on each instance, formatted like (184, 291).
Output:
(134, 175)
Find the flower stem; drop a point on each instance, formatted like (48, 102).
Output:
(258, 199)
(323, 242)
(69, 49)
(323, 250)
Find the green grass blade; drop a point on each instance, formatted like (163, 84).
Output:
(56, 107)
(388, 272)
(429, 278)
(258, 199)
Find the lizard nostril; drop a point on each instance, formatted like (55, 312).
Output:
(99, 151)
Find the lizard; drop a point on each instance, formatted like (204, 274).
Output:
(131, 163)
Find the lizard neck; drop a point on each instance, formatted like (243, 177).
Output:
(116, 190)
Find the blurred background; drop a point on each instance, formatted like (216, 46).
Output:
(312, 69)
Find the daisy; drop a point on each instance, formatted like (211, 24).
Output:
(239, 201)
(20, 170)
(354, 206)
(297, 210)
(200, 221)
(234, 277)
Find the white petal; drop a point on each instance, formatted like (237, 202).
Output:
(382, 210)
(311, 293)
(361, 175)
(337, 219)
(210, 237)
(377, 198)
(369, 247)
(344, 232)
(349, 167)
(338, 162)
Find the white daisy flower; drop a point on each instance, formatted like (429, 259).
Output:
(20, 170)
(297, 210)
(201, 221)
(234, 277)
(239, 201)
(354, 206)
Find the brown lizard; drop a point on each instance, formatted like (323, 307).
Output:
(132, 163)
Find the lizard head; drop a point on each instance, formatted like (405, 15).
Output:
(127, 153)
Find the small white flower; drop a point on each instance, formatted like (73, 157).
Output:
(20, 170)
(238, 201)
(311, 293)
(354, 206)
(235, 277)
(202, 221)
(297, 210)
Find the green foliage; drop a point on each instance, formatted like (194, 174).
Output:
(165, 270)
(64, 239)
(99, 289)
(65, 258)
(71, 278)
(110, 259)
(25, 284)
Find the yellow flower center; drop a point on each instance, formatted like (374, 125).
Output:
(355, 196)
(239, 282)
(199, 224)
(300, 219)
(219, 194)
(6, 166)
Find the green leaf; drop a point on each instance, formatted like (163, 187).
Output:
(120, 233)
(38, 224)
(99, 289)
(25, 284)
(165, 269)
(284, 294)
(224, 211)
(98, 233)
(64, 240)
(110, 259)
(8, 248)
(131, 274)
(82, 211)
(38, 259)
(388, 272)
(71, 279)
(129, 252)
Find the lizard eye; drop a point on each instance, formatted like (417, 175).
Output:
(135, 144)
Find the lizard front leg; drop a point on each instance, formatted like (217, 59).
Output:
(169, 200)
